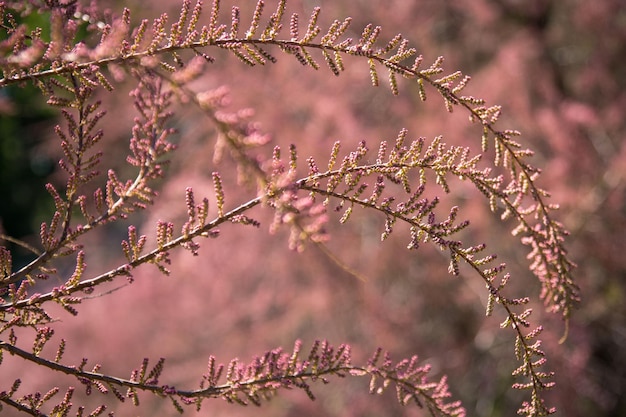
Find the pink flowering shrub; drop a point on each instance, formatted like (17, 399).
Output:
(194, 166)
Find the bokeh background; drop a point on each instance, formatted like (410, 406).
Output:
(556, 67)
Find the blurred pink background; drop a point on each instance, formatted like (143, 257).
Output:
(557, 68)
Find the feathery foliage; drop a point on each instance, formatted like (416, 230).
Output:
(164, 57)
